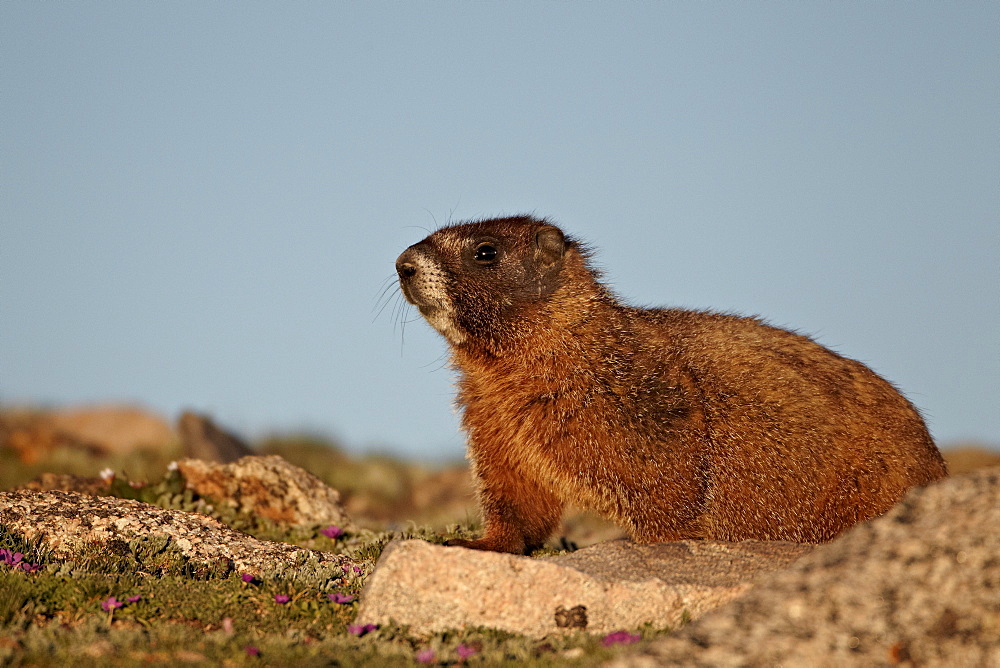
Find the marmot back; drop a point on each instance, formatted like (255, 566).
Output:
(676, 424)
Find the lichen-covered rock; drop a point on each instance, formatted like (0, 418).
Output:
(267, 487)
(919, 586)
(601, 589)
(68, 523)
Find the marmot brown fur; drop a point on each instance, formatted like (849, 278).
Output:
(676, 424)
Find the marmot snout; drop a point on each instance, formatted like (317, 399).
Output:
(676, 424)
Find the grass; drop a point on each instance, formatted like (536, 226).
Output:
(177, 611)
(190, 613)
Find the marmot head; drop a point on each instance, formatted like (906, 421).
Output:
(480, 281)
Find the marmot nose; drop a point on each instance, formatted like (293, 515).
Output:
(405, 266)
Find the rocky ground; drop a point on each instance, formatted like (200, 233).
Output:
(126, 541)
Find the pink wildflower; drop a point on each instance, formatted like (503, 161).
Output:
(337, 597)
(251, 650)
(425, 655)
(246, 577)
(282, 598)
(359, 630)
(620, 638)
(110, 604)
(464, 651)
(10, 558)
(16, 561)
(134, 599)
(332, 532)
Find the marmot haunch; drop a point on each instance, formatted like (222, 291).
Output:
(676, 424)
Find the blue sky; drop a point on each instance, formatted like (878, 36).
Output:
(200, 203)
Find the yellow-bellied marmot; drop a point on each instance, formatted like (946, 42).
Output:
(676, 424)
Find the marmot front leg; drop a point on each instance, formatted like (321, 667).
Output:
(518, 514)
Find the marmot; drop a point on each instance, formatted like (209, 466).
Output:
(676, 424)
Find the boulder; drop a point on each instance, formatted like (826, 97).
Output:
(919, 586)
(267, 487)
(601, 589)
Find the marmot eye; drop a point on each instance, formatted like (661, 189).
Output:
(486, 253)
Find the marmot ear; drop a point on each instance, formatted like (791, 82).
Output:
(550, 245)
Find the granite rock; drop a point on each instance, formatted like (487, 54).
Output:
(600, 589)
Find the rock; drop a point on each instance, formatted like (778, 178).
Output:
(267, 487)
(67, 482)
(582, 528)
(35, 434)
(68, 522)
(32, 437)
(439, 497)
(602, 588)
(113, 428)
(400, 494)
(919, 586)
(968, 457)
(202, 439)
